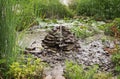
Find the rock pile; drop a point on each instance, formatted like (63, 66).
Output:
(93, 53)
(59, 39)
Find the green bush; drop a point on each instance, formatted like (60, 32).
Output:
(108, 26)
(75, 71)
(27, 68)
(100, 9)
(116, 60)
(117, 23)
(107, 29)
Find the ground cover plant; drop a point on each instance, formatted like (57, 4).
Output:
(82, 31)
(26, 67)
(75, 71)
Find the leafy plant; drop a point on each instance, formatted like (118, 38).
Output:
(116, 60)
(107, 29)
(27, 68)
(102, 75)
(82, 31)
(75, 71)
(113, 28)
(117, 22)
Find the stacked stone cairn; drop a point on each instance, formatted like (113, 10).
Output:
(60, 39)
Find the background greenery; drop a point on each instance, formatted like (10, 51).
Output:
(29, 10)
(100, 9)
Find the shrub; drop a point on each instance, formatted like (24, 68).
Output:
(75, 71)
(116, 60)
(107, 29)
(105, 9)
(113, 27)
(27, 68)
(117, 22)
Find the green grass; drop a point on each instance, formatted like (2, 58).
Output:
(7, 35)
(25, 13)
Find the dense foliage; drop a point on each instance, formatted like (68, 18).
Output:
(100, 9)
